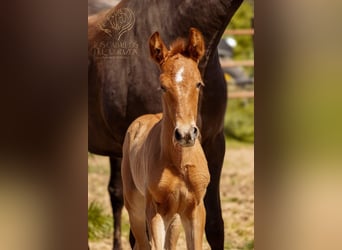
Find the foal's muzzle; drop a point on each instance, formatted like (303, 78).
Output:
(186, 137)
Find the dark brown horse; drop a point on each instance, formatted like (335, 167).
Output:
(95, 6)
(120, 70)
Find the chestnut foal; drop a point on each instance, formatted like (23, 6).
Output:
(164, 169)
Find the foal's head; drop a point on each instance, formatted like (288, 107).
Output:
(180, 82)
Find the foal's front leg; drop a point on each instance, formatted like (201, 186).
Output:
(156, 226)
(194, 223)
(172, 232)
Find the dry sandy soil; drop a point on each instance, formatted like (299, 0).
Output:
(237, 197)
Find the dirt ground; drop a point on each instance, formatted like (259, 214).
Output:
(237, 198)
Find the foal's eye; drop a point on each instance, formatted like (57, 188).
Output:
(162, 88)
(198, 85)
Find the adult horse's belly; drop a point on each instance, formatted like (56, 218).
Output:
(106, 102)
(119, 92)
(101, 139)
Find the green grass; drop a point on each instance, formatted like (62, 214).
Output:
(239, 120)
(236, 144)
(228, 245)
(99, 224)
(249, 245)
(125, 228)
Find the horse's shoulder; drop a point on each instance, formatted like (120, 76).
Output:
(98, 17)
(148, 118)
(95, 22)
(141, 126)
(146, 121)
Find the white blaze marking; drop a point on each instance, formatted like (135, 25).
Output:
(179, 75)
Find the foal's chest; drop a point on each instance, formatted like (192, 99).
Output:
(179, 190)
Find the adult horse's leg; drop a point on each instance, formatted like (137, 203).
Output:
(116, 198)
(131, 239)
(214, 226)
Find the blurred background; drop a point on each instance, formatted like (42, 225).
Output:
(236, 50)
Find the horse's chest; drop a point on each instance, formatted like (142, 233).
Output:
(178, 192)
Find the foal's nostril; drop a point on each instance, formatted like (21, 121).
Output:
(178, 135)
(195, 131)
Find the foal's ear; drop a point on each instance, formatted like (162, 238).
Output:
(158, 49)
(196, 46)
